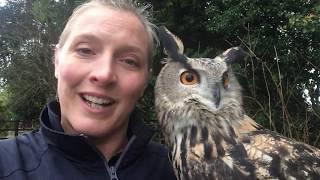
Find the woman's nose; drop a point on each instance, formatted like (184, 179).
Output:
(103, 72)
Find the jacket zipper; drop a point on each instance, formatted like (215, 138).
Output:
(113, 173)
(112, 170)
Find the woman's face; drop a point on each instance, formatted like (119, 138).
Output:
(102, 71)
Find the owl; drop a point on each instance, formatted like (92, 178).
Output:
(199, 106)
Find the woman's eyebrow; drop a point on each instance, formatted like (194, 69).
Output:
(87, 36)
(130, 48)
(94, 38)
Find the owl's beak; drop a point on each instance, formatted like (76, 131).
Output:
(216, 95)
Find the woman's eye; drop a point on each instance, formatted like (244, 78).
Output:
(85, 51)
(130, 62)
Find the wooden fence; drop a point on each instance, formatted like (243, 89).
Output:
(14, 128)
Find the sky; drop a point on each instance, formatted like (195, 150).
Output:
(2, 2)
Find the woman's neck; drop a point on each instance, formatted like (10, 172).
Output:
(111, 144)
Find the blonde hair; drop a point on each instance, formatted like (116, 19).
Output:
(142, 11)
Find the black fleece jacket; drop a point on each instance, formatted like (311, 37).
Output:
(49, 154)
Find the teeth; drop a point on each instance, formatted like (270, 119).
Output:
(93, 105)
(97, 101)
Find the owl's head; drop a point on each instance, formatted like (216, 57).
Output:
(205, 83)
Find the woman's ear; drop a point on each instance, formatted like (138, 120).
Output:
(146, 84)
(56, 59)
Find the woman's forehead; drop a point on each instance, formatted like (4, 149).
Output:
(110, 22)
(107, 15)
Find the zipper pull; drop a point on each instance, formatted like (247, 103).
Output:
(113, 173)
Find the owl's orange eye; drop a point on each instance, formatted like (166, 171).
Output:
(189, 78)
(225, 80)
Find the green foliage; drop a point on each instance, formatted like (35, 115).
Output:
(282, 41)
(4, 112)
(280, 76)
(29, 31)
(282, 38)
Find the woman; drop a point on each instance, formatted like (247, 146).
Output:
(94, 130)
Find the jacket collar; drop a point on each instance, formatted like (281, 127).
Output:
(76, 148)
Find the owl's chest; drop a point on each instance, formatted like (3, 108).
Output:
(198, 152)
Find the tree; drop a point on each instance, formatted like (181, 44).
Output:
(282, 40)
(4, 113)
(280, 76)
(29, 31)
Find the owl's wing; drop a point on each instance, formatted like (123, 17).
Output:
(245, 126)
(274, 155)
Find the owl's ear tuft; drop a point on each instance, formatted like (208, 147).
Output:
(171, 43)
(233, 54)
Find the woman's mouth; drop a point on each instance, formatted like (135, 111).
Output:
(97, 102)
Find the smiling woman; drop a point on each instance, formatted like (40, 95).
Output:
(96, 50)
(94, 129)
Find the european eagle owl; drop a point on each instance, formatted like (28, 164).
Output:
(199, 107)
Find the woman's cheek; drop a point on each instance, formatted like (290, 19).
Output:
(135, 85)
(71, 74)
